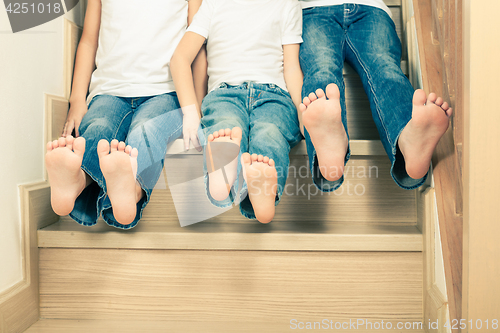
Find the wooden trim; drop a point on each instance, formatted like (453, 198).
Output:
(19, 306)
(444, 160)
(435, 303)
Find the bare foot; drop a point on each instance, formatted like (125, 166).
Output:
(322, 118)
(429, 121)
(119, 168)
(67, 180)
(262, 182)
(223, 150)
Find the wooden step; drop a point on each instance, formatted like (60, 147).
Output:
(376, 215)
(113, 326)
(233, 236)
(233, 286)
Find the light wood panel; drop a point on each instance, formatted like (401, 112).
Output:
(19, 306)
(227, 285)
(481, 176)
(112, 326)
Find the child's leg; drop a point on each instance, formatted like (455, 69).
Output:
(374, 50)
(322, 61)
(156, 122)
(108, 118)
(273, 131)
(225, 121)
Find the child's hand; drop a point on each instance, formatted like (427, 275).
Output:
(75, 115)
(190, 125)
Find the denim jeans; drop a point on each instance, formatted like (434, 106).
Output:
(268, 119)
(366, 38)
(145, 123)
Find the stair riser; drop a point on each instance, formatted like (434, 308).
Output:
(229, 285)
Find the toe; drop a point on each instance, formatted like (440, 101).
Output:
(216, 134)
(103, 148)
(128, 149)
(114, 145)
(236, 134)
(227, 132)
(306, 101)
(302, 107)
(312, 97)
(432, 98)
(439, 101)
(445, 106)
(266, 159)
(254, 157)
(55, 144)
(121, 146)
(260, 158)
(134, 153)
(320, 93)
(419, 98)
(79, 146)
(271, 162)
(61, 142)
(449, 112)
(49, 146)
(246, 159)
(332, 91)
(210, 138)
(70, 139)
(222, 132)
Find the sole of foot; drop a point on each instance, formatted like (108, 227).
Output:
(223, 150)
(322, 117)
(67, 180)
(430, 120)
(262, 181)
(118, 164)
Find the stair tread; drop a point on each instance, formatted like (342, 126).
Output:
(235, 236)
(108, 326)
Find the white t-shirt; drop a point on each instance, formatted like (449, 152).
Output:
(245, 38)
(136, 41)
(318, 3)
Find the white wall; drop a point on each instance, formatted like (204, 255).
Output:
(31, 64)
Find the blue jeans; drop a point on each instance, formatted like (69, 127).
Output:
(268, 119)
(145, 123)
(366, 38)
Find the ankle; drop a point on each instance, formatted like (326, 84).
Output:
(139, 192)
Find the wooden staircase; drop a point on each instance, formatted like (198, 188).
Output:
(345, 257)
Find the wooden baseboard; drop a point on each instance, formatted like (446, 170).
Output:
(19, 305)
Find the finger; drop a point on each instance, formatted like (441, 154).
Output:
(196, 141)
(77, 126)
(64, 129)
(186, 141)
(69, 128)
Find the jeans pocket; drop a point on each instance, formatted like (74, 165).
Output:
(278, 90)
